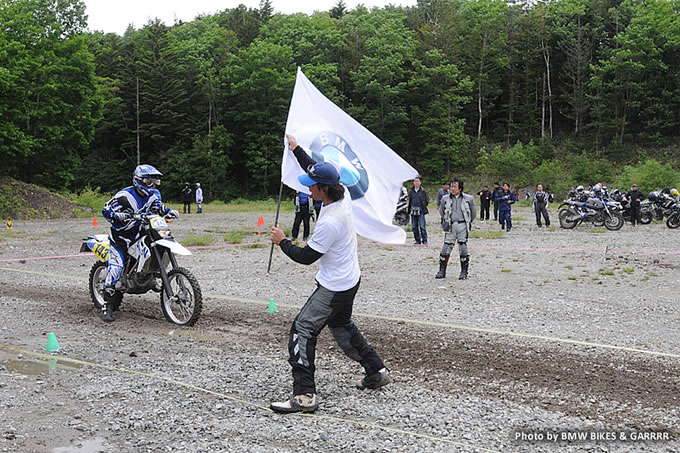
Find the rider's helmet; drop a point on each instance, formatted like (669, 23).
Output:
(146, 178)
(580, 189)
(597, 188)
(198, 184)
(653, 196)
(675, 193)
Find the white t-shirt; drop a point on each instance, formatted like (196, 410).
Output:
(334, 236)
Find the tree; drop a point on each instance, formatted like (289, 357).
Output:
(339, 10)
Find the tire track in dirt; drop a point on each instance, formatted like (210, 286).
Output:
(586, 383)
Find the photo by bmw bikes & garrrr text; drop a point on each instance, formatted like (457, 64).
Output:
(151, 265)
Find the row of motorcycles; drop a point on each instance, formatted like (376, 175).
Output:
(611, 210)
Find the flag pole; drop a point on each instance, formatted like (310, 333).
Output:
(276, 222)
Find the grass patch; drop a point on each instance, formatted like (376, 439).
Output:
(515, 260)
(244, 205)
(571, 278)
(91, 198)
(605, 272)
(552, 228)
(596, 230)
(486, 234)
(199, 240)
(234, 237)
(628, 270)
(570, 267)
(519, 219)
(256, 246)
(506, 270)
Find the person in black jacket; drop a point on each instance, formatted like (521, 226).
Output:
(635, 197)
(417, 207)
(186, 197)
(485, 198)
(496, 204)
(541, 200)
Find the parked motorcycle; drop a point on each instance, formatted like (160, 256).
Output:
(646, 208)
(146, 269)
(593, 210)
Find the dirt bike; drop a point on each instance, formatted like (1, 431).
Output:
(146, 270)
(593, 210)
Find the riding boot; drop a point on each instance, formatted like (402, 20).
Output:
(464, 264)
(443, 262)
(108, 306)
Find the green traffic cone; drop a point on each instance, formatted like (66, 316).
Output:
(272, 307)
(52, 343)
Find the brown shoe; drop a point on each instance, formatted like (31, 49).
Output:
(296, 403)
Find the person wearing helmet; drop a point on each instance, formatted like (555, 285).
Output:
(199, 198)
(142, 197)
(186, 197)
(675, 193)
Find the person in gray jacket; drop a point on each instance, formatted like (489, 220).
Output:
(458, 211)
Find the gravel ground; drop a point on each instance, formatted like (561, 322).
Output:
(547, 335)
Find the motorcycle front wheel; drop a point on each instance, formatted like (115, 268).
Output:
(614, 221)
(96, 284)
(564, 219)
(185, 306)
(673, 221)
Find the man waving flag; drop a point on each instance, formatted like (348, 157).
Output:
(371, 171)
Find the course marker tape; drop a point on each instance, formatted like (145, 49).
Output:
(411, 321)
(242, 401)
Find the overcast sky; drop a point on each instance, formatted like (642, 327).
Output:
(113, 16)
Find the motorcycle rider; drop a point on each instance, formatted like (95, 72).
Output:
(540, 205)
(635, 197)
(140, 198)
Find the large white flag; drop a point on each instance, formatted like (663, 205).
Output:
(371, 171)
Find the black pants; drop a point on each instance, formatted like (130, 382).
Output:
(302, 216)
(541, 210)
(496, 205)
(635, 213)
(484, 212)
(187, 207)
(332, 308)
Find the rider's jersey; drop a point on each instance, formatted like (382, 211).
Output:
(130, 202)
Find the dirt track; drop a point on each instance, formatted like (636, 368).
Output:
(492, 383)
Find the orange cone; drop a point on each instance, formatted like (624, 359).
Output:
(260, 224)
(94, 222)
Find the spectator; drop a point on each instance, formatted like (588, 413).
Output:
(199, 198)
(541, 201)
(485, 199)
(304, 208)
(634, 198)
(505, 198)
(417, 207)
(458, 211)
(186, 197)
(496, 190)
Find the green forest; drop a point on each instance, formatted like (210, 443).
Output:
(561, 92)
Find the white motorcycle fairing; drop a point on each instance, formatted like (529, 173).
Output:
(175, 247)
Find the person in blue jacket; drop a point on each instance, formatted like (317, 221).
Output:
(505, 199)
(304, 209)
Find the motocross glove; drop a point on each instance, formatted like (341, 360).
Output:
(173, 214)
(121, 217)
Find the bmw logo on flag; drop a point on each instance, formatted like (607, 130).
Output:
(330, 147)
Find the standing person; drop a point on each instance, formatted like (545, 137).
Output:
(334, 245)
(496, 204)
(142, 197)
(417, 207)
(485, 198)
(444, 191)
(505, 199)
(317, 208)
(304, 208)
(541, 201)
(458, 211)
(635, 197)
(186, 197)
(199, 198)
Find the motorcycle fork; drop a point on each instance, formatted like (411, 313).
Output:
(161, 269)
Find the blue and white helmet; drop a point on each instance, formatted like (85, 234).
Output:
(146, 178)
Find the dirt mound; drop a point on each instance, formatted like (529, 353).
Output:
(20, 200)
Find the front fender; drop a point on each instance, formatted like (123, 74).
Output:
(175, 247)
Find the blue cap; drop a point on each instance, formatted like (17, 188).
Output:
(320, 173)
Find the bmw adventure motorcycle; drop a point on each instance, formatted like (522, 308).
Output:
(151, 266)
(593, 210)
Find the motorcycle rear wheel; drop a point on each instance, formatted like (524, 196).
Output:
(96, 284)
(564, 219)
(186, 305)
(614, 221)
(645, 218)
(673, 221)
